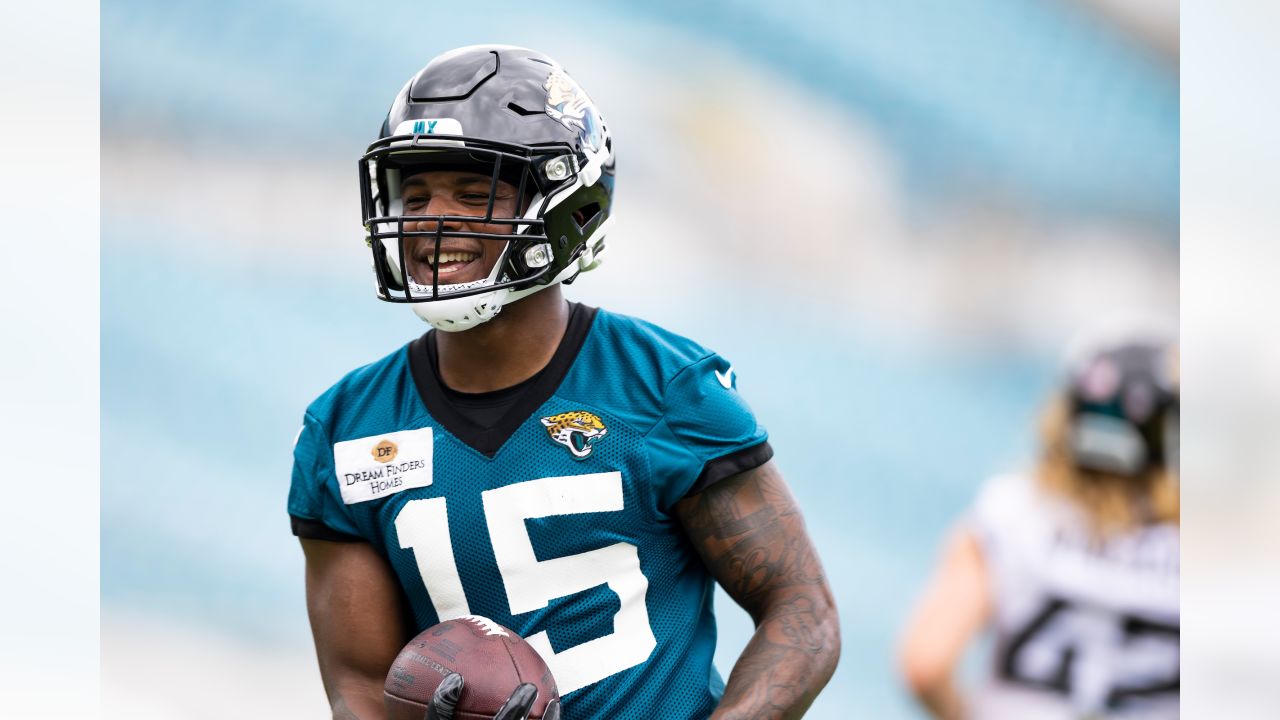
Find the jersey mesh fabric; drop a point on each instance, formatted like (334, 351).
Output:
(667, 410)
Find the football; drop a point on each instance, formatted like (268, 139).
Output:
(492, 660)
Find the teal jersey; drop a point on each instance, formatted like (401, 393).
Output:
(556, 521)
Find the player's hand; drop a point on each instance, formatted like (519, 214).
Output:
(517, 707)
(445, 698)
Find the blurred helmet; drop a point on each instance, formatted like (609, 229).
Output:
(1123, 404)
(513, 115)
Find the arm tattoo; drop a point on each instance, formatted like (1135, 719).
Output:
(783, 668)
(799, 625)
(751, 537)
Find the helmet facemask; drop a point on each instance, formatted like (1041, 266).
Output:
(545, 178)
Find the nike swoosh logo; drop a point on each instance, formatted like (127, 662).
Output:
(726, 379)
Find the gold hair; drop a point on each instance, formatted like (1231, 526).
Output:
(1113, 503)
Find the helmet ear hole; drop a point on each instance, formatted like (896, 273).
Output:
(585, 214)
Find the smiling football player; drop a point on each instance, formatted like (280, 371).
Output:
(578, 476)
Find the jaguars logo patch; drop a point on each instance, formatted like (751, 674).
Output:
(577, 430)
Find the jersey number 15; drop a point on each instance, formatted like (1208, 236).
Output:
(531, 584)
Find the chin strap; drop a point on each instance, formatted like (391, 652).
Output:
(464, 313)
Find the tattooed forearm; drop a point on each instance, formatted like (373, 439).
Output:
(750, 535)
(786, 664)
(799, 625)
(764, 683)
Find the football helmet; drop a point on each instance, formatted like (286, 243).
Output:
(1123, 401)
(513, 115)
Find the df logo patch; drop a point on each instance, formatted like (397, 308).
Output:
(385, 451)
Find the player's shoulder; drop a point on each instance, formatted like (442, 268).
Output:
(1019, 508)
(648, 344)
(362, 390)
(1005, 493)
(633, 368)
(1008, 501)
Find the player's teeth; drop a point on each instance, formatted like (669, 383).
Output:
(448, 257)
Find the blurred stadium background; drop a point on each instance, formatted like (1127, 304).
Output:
(890, 217)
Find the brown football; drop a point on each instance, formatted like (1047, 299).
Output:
(493, 661)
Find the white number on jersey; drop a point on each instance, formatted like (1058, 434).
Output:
(531, 584)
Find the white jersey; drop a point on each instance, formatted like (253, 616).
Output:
(1083, 628)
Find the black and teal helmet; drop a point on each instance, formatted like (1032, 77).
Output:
(512, 114)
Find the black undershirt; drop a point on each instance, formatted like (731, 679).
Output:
(487, 408)
(483, 409)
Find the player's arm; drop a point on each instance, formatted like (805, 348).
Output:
(955, 605)
(752, 538)
(357, 621)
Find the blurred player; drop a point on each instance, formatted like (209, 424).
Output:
(578, 476)
(1074, 567)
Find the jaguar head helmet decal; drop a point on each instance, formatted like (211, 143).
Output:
(568, 105)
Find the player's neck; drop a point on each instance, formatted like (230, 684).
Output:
(507, 350)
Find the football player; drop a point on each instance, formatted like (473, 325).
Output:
(1074, 566)
(579, 476)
